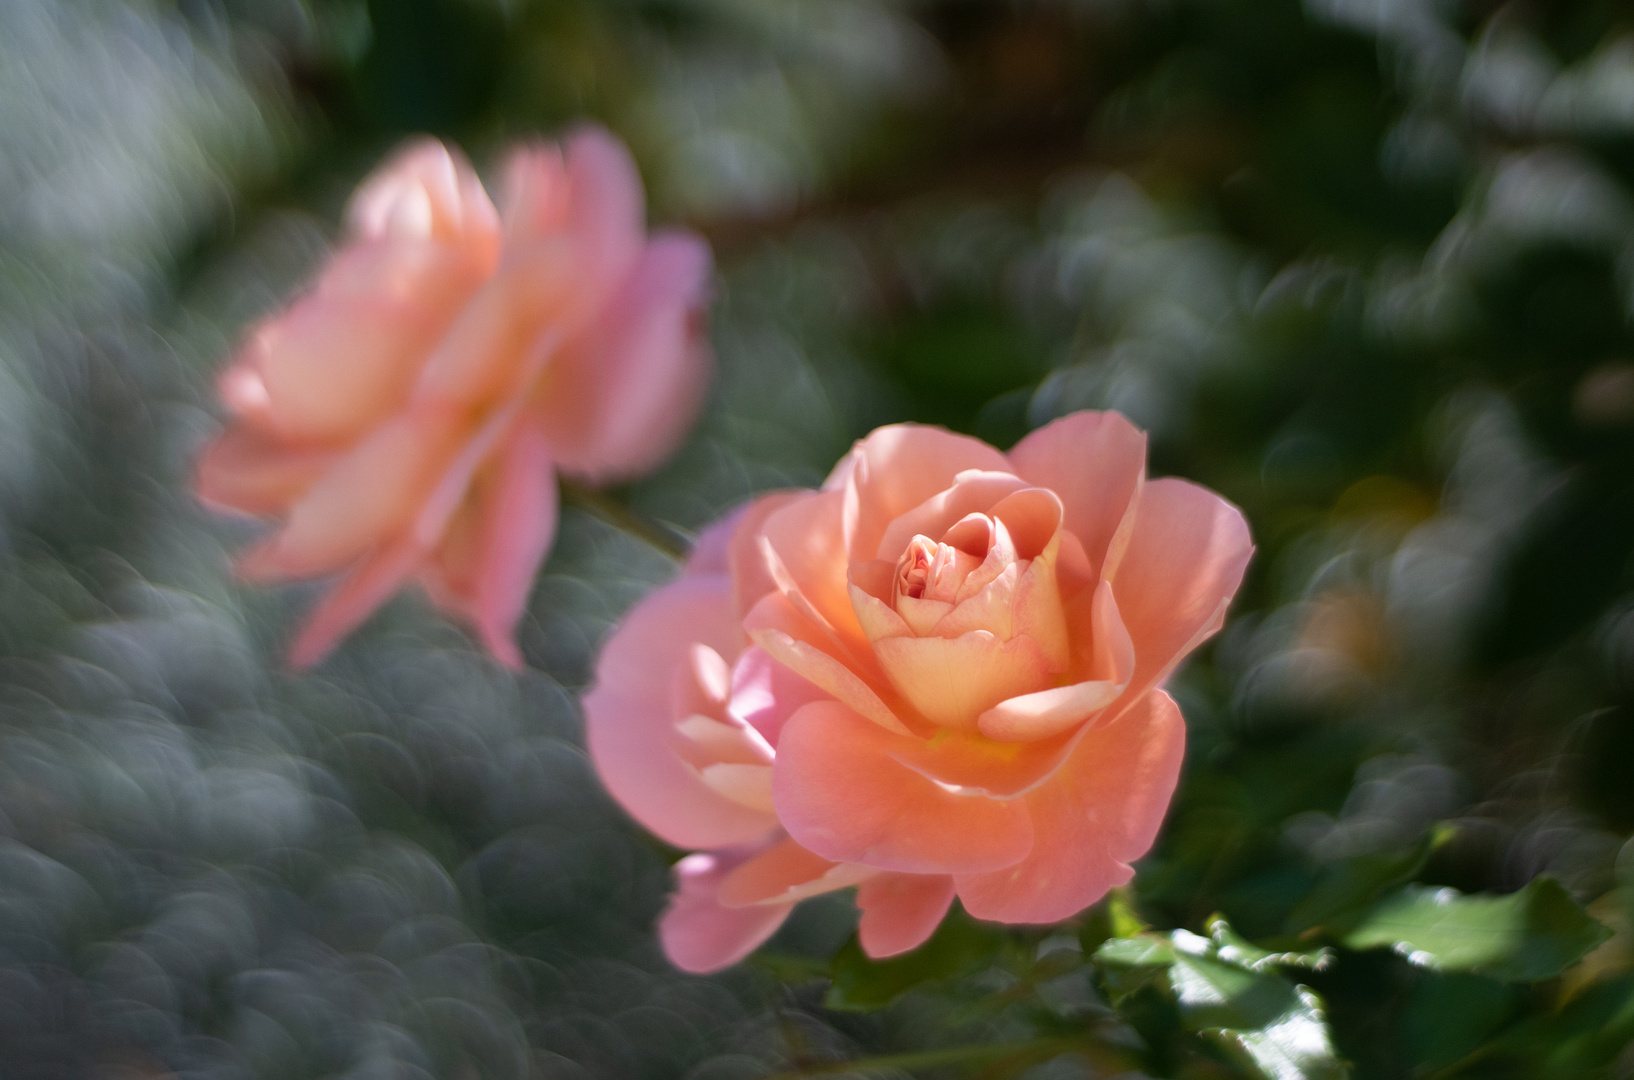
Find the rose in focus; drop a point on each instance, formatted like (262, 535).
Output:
(406, 417)
(936, 676)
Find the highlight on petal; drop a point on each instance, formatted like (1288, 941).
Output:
(701, 935)
(425, 190)
(630, 721)
(840, 793)
(766, 693)
(899, 911)
(828, 674)
(1096, 463)
(1100, 812)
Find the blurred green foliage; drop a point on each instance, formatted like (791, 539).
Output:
(1365, 268)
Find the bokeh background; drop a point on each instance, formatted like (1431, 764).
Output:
(1366, 267)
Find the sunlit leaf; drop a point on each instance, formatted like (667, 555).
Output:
(1528, 935)
(1224, 988)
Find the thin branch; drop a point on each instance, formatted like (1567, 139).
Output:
(926, 1059)
(621, 517)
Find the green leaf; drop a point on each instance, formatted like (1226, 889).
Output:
(1349, 885)
(1293, 1046)
(1532, 934)
(1226, 989)
(1240, 950)
(960, 946)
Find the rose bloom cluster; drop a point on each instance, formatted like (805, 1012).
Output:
(405, 418)
(937, 676)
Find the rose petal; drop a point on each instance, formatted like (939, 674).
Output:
(1032, 516)
(424, 191)
(369, 495)
(700, 935)
(897, 468)
(535, 193)
(1186, 558)
(351, 600)
(626, 393)
(629, 718)
(1095, 462)
(804, 552)
(785, 873)
(840, 793)
(482, 357)
(1097, 814)
(953, 680)
(972, 492)
(899, 911)
(246, 471)
(606, 206)
(749, 786)
(827, 673)
(751, 577)
(765, 693)
(518, 523)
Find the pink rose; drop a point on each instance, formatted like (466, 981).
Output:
(937, 675)
(407, 415)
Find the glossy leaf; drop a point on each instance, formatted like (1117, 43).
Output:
(1532, 934)
(1225, 988)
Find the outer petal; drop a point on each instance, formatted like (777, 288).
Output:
(899, 911)
(247, 471)
(895, 469)
(785, 873)
(699, 934)
(1102, 810)
(351, 600)
(1095, 461)
(518, 522)
(805, 554)
(628, 390)
(1186, 558)
(629, 718)
(333, 367)
(605, 209)
(369, 496)
(840, 793)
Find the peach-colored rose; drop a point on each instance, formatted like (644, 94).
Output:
(405, 418)
(936, 675)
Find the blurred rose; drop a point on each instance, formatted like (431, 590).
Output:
(406, 416)
(936, 675)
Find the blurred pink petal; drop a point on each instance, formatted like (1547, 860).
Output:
(624, 397)
(401, 418)
(702, 935)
